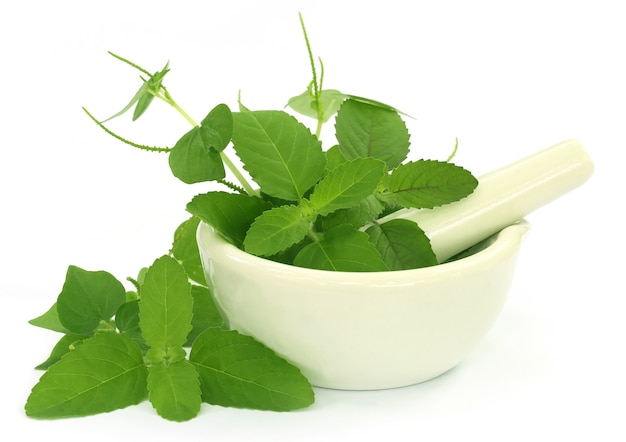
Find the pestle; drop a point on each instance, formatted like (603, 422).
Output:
(502, 197)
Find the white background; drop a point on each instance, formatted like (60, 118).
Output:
(506, 78)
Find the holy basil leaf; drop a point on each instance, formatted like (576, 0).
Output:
(306, 103)
(366, 210)
(229, 213)
(425, 184)
(166, 305)
(205, 313)
(342, 249)
(334, 157)
(194, 159)
(364, 130)
(347, 184)
(402, 244)
(63, 346)
(103, 373)
(174, 390)
(280, 153)
(276, 229)
(185, 249)
(127, 322)
(218, 125)
(49, 320)
(238, 371)
(88, 298)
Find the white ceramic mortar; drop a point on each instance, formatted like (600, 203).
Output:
(362, 331)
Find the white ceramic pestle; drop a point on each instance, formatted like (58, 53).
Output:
(502, 198)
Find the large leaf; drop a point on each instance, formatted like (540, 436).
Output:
(275, 230)
(104, 373)
(347, 184)
(229, 213)
(343, 249)
(238, 371)
(425, 184)
(280, 153)
(402, 244)
(166, 306)
(88, 298)
(366, 130)
(174, 390)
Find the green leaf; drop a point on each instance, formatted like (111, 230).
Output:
(88, 298)
(219, 126)
(63, 346)
(104, 373)
(280, 153)
(194, 159)
(238, 371)
(347, 184)
(365, 130)
(402, 244)
(174, 390)
(306, 104)
(366, 210)
(425, 184)
(275, 230)
(185, 249)
(342, 249)
(231, 214)
(50, 320)
(143, 97)
(166, 305)
(334, 157)
(205, 313)
(127, 321)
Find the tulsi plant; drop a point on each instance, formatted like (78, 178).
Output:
(306, 206)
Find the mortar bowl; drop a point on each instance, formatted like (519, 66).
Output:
(370, 330)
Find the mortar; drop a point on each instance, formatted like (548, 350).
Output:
(364, 331)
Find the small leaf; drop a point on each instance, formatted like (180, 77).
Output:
(104, 373)
(280, 153)
(193, 159)
(402, 244)
(61, 347)
(366, 210)
(219, 123)
(365, 130)
(88, 298)
(306, 104)
(275, 230)
(127, 322)
(205, 313)
(347, 184)
(231, 214)
(238, 371)
(50, 320)
(425, 184)
(185, 249)
(174, 390)
(342, 249)
(166, 305)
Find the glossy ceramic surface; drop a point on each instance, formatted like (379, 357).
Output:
(362, 331)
